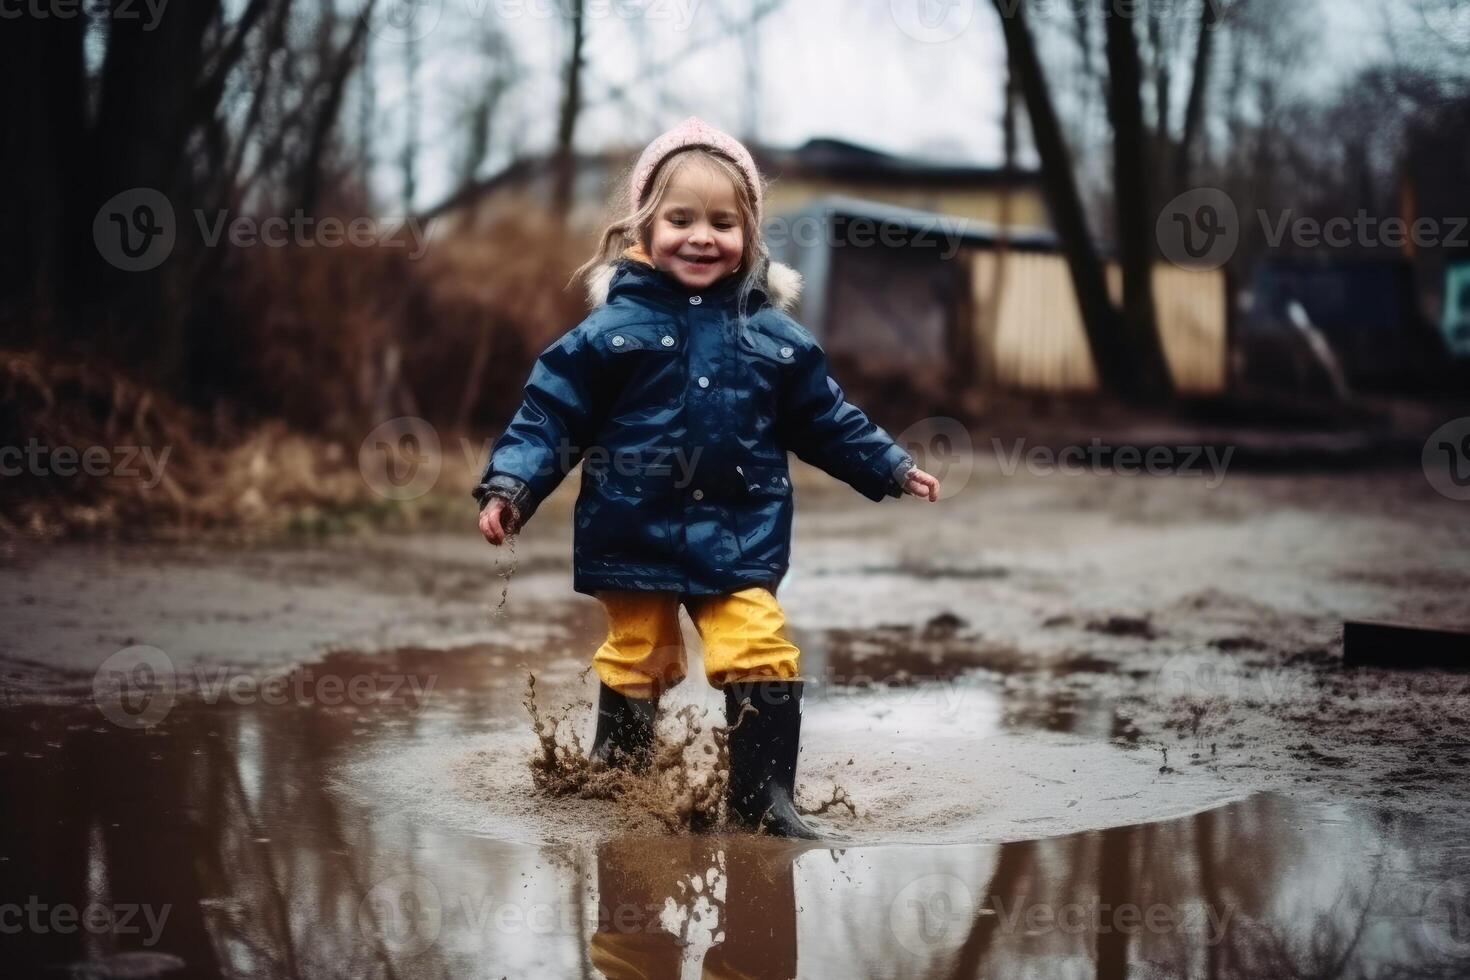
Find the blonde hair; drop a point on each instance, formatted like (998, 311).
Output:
(636, 223)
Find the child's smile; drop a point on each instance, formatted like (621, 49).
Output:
(696, 235)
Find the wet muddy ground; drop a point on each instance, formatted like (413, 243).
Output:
(1087, 725)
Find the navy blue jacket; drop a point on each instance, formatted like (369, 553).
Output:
(682, 419)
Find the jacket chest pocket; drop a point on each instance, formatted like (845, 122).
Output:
(642, 337)
(764, 360)
(772, 350)
(641, 370)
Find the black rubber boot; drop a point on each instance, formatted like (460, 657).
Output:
(624, 736)
(763, 749)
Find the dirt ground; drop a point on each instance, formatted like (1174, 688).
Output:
(1161, 613)
(1036, 658)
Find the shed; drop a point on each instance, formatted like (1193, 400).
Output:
(899, 291)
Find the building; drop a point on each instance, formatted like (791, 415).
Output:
(936, 298)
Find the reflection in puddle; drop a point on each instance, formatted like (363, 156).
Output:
(218, 827)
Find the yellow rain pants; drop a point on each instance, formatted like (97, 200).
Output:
(743, 633)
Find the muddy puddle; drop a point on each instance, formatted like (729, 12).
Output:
(291, 831)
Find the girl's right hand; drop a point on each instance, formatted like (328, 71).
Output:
(498, 520)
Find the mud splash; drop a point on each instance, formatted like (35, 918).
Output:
(931, 763)
(684, 788)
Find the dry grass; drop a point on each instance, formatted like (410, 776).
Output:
(301, 357)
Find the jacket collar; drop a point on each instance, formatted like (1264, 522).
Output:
(632, 274)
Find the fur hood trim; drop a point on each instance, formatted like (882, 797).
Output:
(783, 285)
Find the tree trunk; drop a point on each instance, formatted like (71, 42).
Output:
(1148, 377)
(564, 168)
(1109, 348)
(1194, 110)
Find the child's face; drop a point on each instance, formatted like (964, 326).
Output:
(696, 235)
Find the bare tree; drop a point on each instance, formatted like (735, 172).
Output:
(563, 161)
(1148, 374)
(1110, 351)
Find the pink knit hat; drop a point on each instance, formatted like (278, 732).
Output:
(694, 132)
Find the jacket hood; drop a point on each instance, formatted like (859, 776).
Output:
(782, 286)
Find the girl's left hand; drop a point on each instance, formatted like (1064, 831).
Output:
(921, 484)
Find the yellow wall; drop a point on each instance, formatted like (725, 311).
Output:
(1029, 334)
(1027, 207)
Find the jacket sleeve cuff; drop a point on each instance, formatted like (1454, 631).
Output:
(898, 463)
(900, 474)
(513, 490)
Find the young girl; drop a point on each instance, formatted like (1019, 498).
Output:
(680, 395)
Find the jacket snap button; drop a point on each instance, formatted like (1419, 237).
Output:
(699, 495)
(786, 352)
(695, 300)
(618, 341)
(704, 382)
(667, 341)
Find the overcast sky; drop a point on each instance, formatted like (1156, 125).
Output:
(908, 76)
